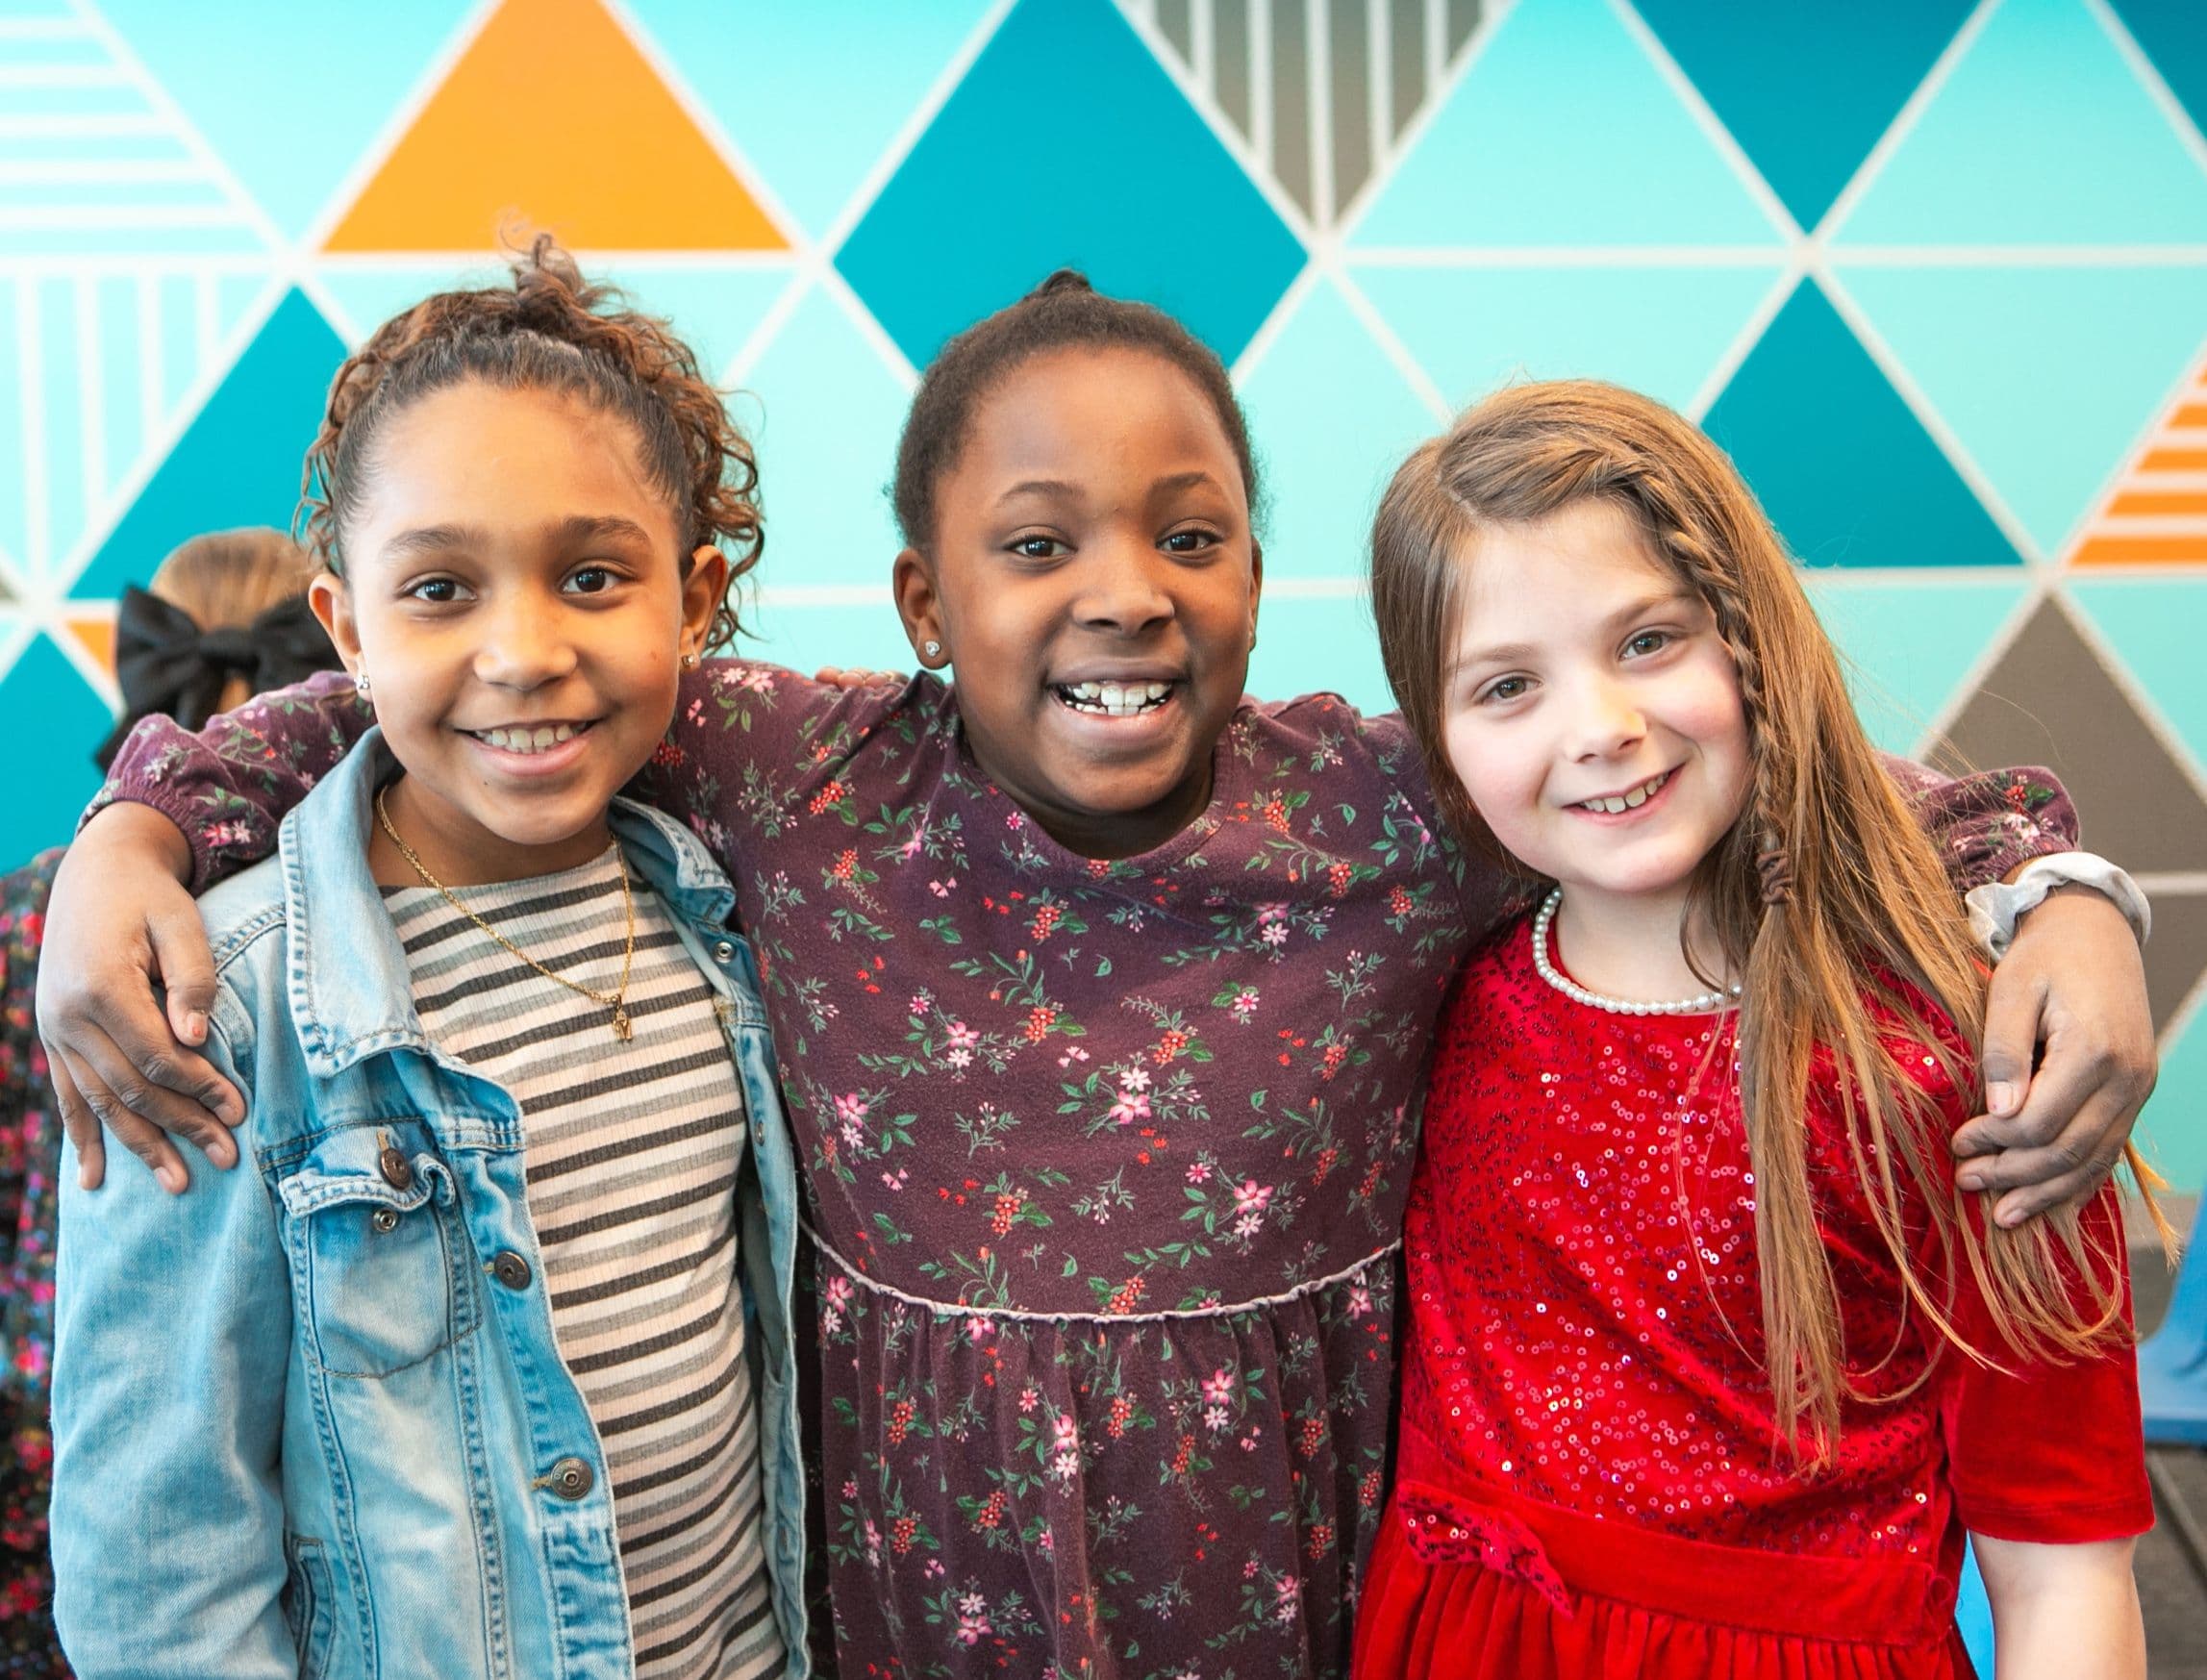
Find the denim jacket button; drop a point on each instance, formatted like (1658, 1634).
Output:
(397, 1169)
(385, 1219)
(724, 952)
(571, 1478)
(511, 1269)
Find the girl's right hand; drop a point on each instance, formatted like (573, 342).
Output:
(120, 922)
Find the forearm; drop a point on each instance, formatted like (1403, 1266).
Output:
(226, 787)
(2063, 1611)
(1989, 824)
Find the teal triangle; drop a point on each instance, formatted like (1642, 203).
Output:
(1659, 330)
(1324, 463)
(2040, 136)
(238, 464)
(1531, 149)
(811, 95)
(2154, 625)
(2175, 35)
(1909, 643)
(2169, 1132)
(1844, 468)
(49, 787)
(1806, 86)
(289, 105)
(823, 411)
(2047, 375)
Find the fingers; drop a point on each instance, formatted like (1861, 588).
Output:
(78, 1121)
(149, 1143)
(187, 968)
(2015, 1005)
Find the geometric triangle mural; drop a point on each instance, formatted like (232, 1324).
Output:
(1934, 273)
(1807, 90)
(1810, 376)
(545, 121)
(238, 461)
(2048, 700)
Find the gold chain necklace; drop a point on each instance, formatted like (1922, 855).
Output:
(614, 1000)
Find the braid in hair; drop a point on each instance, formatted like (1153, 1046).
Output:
(550, 331)
(1825, 899)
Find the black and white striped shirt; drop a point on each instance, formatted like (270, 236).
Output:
(631, 1151)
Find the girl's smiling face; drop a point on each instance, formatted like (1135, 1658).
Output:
(1093, 577)
(1591, 711)
(514, 593)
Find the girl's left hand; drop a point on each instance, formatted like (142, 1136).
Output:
(2073, 983)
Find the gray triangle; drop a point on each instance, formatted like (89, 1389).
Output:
(2049, 701)
(2176, 955)
(1267, 43)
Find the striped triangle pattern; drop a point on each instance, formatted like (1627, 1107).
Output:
(2157, 514)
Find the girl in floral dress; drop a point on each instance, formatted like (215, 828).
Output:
(1102, 995)
(1707, 1367)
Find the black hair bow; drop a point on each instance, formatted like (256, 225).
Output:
(164, 662)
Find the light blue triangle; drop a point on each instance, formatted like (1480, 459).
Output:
(1327, 644)
(370, 293)
(1322, 463)
(2040, 136)
(810, 94)
(716, 307)
(15, 400)
(2047, 375)
(855, 636)
(2155, 626)
(2169, 1132)
(289, 103)
(48, 786)
(1564, 133)
(1908, 646)
(238, 461)
(824, 412)
(1659, 330)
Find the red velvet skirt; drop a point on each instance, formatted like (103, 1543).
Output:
(1491, 1587)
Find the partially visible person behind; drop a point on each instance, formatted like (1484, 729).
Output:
(483, 1366)
(1709, 1365)
(223, 619)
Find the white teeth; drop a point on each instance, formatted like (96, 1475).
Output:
(1113, 699)
(528, 740)
(1631, 801)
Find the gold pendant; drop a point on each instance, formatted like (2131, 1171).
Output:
(621, 1027)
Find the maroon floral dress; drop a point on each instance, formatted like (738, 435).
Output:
(1105, 1160)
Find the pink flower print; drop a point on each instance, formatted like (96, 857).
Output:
(1249, 1570)
(1047, 1540)
(973, 1619)
(1065, 1434)
(1219, 1387)
(1014, 821)
(756, 679)
(1359, 1302)
(941, 888)
(1215, 1420)
(920, 1004)
(1135, 1079)
(1288, 1599)
(227, 834)
(1274, 935)
(959, 1059)
(1251, 1199)
(849, 1489)
(697, 712)
(1132, 1106)
(1245, 1004)
(963, 1036)
(1029, 1397)
(1199, 1172)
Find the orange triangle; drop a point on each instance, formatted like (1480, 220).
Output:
(553, 119)
(2157, 513)
(97, 637)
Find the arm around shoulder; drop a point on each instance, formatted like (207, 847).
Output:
(2063, 1611)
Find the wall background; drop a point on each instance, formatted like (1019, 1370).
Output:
(1936, 272)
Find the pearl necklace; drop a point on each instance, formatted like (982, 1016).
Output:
(1703, 1004)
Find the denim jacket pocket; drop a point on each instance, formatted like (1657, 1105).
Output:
(307, 1606)
(377, 1251)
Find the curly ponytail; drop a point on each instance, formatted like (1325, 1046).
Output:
(550, 331)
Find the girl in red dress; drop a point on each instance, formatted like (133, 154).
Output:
(1709, 1367)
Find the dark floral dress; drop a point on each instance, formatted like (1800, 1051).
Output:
(30, 1157)
(1106, 1159)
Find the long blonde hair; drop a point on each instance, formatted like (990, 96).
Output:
(1825, 899)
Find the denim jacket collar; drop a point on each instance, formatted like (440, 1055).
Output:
(352, 994)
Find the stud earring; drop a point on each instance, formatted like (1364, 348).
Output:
(934, 650)
(361, 684)
(689, 661)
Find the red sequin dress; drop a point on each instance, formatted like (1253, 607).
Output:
(1586, 1484)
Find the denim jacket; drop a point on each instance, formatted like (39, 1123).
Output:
(302, 1425)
